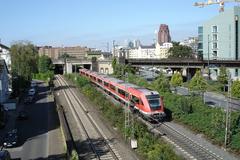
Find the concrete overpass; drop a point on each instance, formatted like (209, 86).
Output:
(187, 66)
(181, 63)
(72, 65)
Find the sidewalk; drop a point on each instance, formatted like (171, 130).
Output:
(200, 139)
(57, 149)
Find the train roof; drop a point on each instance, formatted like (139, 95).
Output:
(122, 83)
(146, 91)
(115, 80)
(129, 85)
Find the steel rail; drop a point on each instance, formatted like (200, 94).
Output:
(78, 118)
(192, 147)
(103, 139)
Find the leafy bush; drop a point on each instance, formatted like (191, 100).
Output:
(74, 155)
(235, 90)
(161, 84)
(47, 76)
(176, 79)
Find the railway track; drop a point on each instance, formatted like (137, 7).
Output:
(191, 148)
(99, 144)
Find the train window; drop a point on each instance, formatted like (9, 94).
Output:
(135, 99)
(126, 94)
(112, 87)
(122, 92)
(153, 96)
(154, 101)
(99, 81)
(106, 84)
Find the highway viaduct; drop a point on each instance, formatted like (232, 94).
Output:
(186, 65)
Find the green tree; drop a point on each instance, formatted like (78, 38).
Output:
(235, 89)
(198, 83)
(176, 80)
(129, 69)
(24, 64)
(114, 63)
(74, 155)
(180, 51)
(161, 84)
(223, 75)
(44, 64)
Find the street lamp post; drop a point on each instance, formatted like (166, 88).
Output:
(208, 59)
(228, 112)
(75, 72)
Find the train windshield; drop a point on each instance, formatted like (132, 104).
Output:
(154, 101)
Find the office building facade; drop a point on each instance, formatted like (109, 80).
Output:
(219, 38)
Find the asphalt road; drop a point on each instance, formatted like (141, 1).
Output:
(33, 133)
(217, 99)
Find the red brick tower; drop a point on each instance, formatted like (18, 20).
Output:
(163, 34)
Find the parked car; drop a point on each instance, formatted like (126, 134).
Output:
(31, 92)
(22, 115)
(210, 104)
(28, 99)
(5, 119)
(10, 139)
(5, 155)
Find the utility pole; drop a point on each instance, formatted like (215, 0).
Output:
(107, 47)
(208, 59)
(75, 72)
(113, 48)
(126, 110)
(228, 113)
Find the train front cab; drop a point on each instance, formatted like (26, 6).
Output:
(149, 104)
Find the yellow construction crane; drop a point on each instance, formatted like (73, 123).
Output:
(211, 2)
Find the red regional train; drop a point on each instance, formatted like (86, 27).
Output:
(147, 102)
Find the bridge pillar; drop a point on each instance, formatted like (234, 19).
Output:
(69, 67)
(184, 72)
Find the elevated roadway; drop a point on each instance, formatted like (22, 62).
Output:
(181, 63)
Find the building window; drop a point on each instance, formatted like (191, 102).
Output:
(214, 29)
(214, 53)
(214, 37)
(200, 46)
(200, 38)
(215, 46)
(200, 30)
(236, 72)
(101, 70)
(106, 70)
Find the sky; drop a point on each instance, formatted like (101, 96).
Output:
(94, 23)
